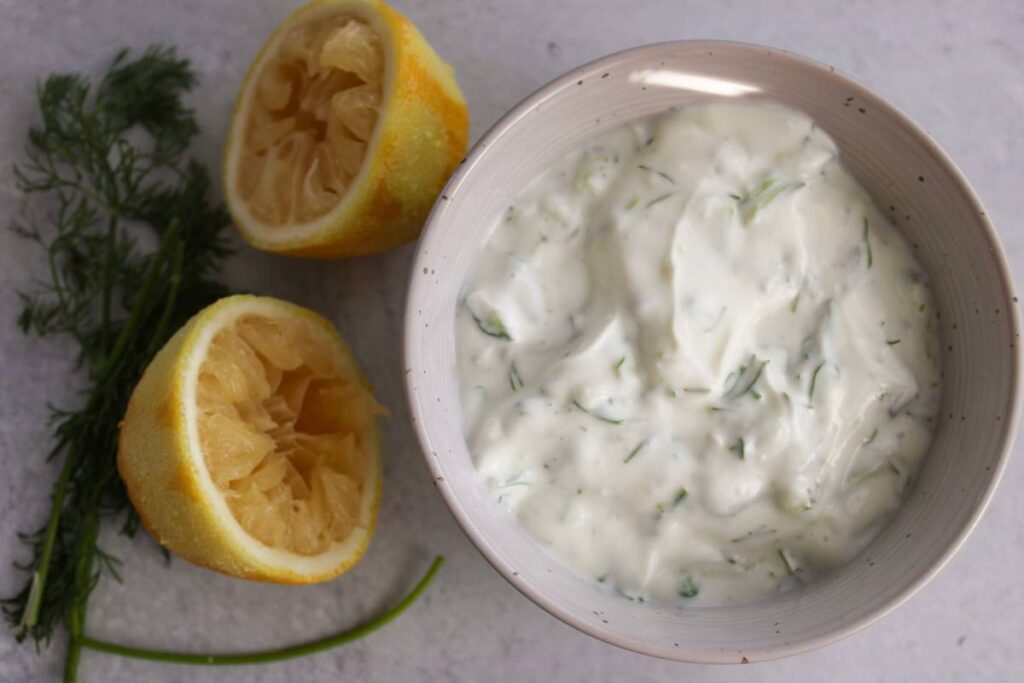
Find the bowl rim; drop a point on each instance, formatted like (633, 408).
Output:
(411, 364)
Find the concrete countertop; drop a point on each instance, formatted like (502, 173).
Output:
(956, 68)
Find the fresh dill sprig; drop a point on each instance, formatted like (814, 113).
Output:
(105, 161)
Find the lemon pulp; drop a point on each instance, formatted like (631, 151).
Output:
(316, 105)
(290, 463)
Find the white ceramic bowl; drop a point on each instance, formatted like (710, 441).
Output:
(908, 176)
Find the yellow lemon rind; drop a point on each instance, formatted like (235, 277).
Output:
(167, 480)
(419, 139)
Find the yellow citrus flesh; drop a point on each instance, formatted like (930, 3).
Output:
(250, 444)
(344, 133)
(306, 130)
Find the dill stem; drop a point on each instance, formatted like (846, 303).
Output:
(108, 280)
(177, 263)
(31, 616)
(74, 656)
(135, 316)
(270, 655)
(59, 289)
(84, 552)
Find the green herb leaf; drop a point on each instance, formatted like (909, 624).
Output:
(514, 379)
(678, 499)
(492, 327)
(867, 245)
(814, 380)
(739, 448)
(636, 449)
(689, 588)
(681, 495)
(745, 379)
(666, 176)
(597, 416)
(892, 342)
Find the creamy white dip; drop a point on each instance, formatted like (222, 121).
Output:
(695, 360)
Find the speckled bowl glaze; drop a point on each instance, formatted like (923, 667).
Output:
(908, 176)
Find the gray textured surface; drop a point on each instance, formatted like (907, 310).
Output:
(957, 71)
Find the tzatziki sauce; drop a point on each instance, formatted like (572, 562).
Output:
(695, 360)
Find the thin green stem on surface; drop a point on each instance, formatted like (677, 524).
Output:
(271, 655)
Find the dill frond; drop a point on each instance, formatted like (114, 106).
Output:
(106, 164)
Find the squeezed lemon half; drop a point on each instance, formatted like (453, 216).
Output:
(250, 445)
(345, 131)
